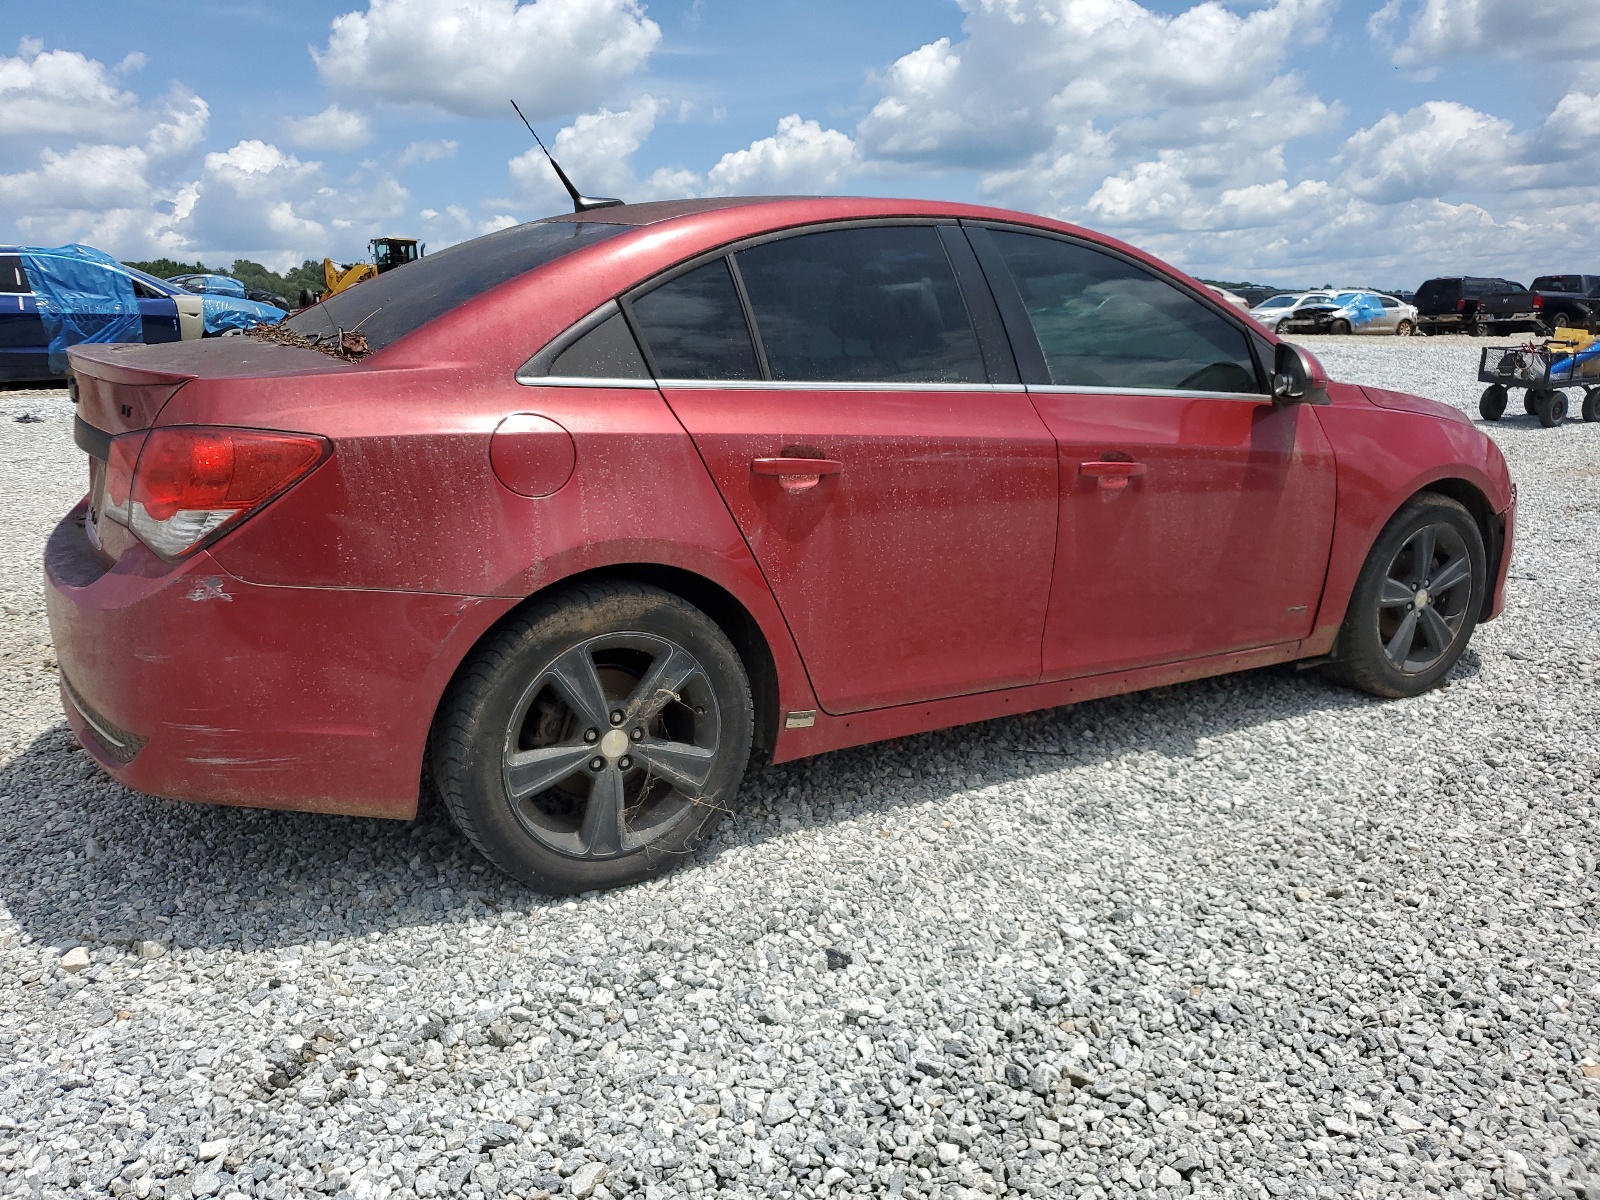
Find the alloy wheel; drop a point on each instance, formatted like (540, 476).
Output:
(610, 747)
(1423, 600)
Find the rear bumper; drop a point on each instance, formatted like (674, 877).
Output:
(189, 683)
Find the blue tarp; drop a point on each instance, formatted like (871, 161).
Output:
(226, 306)
(222, 313)
(1360, 308)
(83, 296)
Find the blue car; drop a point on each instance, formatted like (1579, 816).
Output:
(227, 303)
(54, 298)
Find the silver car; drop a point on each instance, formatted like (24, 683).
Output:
(1274, 310)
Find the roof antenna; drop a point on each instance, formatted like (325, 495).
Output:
(580, 203)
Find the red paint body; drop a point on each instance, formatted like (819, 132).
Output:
(954, 556)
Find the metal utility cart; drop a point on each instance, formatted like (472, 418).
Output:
(1569, 358)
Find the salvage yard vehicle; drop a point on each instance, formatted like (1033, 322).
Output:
(618, 497)
(387, 254)
(56, 297)
(1350, 312)
(1551, 302)
(228, 304)
(1450, 303)
(1276, 311)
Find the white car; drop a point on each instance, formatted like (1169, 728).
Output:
(1274, 310)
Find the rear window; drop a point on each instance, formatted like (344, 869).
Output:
(1558, 283)
(400, 301)
(1439, 291)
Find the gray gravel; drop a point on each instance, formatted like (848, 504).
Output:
(1255, 936)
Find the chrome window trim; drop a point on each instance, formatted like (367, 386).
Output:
(811, 385)
(1062, 389)
(580, 381)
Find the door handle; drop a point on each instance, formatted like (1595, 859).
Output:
(796, 474)
(1113, 476)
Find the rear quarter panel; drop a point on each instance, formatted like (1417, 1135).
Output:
(409, 502)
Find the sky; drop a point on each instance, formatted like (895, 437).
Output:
(1280, 141)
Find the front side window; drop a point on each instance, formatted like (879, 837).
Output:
(694, 326)
(878, 304)
(1104, 322)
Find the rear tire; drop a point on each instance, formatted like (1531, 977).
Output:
(1549, 407)
(1477, 326)
(1492, 404)
(1416, 601)
(523, 754)
(1404, 329)
(1591, 404)
(1561, 321)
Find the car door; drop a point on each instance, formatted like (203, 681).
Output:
(897, 488)
(1196, 515)
(22, 337)
(1388, 320)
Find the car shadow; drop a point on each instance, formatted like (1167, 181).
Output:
(84, 860)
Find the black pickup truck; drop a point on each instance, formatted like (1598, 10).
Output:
(1449, 304)
(1553, 302)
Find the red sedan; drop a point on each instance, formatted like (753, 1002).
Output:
(618, 497)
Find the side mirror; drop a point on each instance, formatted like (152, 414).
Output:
(1297, 377)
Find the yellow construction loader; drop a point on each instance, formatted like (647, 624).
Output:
(387, 254)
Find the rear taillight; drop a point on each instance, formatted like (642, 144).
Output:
(177, 487)
(1461, 305)
(1538, 301)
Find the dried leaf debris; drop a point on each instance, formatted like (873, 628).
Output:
(348, 344)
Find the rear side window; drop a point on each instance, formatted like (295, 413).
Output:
(607, 351)
(1104, 322)
(13, 279)
(872, 305)
(400, 301)
(694, 326)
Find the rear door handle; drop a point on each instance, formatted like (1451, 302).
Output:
(1113, 476)
(796, 474)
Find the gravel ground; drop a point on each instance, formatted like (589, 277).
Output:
(1255, 936)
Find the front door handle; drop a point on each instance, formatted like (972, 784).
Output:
(796, 474)
(1113, 476)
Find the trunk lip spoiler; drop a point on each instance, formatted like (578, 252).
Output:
(101, 365)
(92, 441)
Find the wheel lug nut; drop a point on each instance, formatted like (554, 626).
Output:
(638, 734)
(624, 762)
(616, 716)
(597, 763)
(591, 735)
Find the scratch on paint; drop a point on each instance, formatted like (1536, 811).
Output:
(209, 588)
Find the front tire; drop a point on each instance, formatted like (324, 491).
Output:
(1340, 327)
(595, 740)
(1591, 404)
(1416, 601)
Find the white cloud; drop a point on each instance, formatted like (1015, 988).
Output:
(1441, 30)
(85, 177)
(1438, 148)
(802, 157)
(333, 128)
(63, 92)
(1027, 68)
(471, 56)
(427, 151)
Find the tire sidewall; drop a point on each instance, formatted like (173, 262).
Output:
(484, 711)
(1363, 652)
